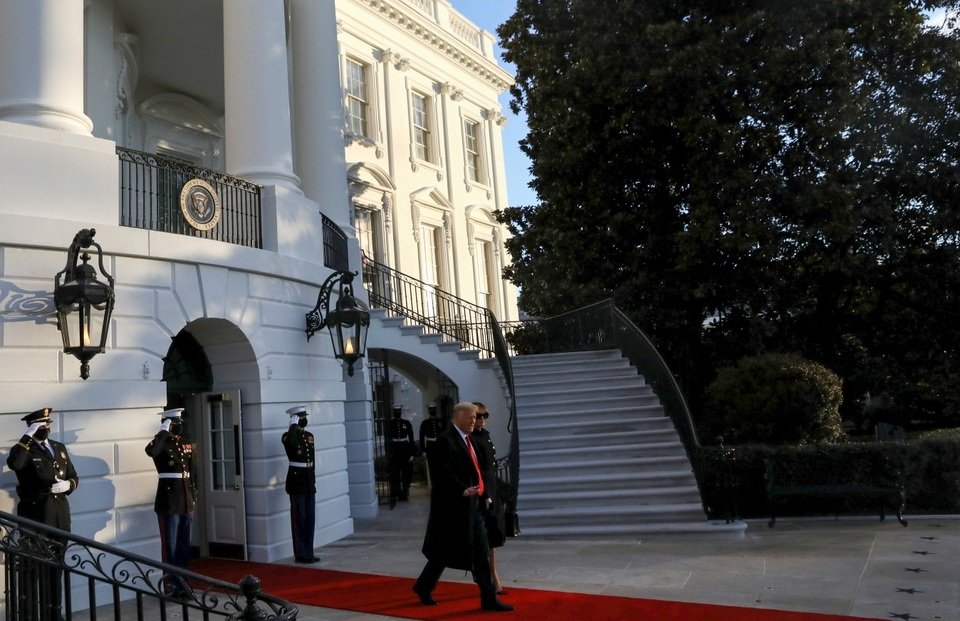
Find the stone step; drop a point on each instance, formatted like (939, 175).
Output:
(567, 394)
(577, 480)
(629, 496)
(559, 467)
(648, 404)
(628, 409)
(614, 514)
(573, 356)
(612, 451)
(576, 372)
(699, 526)
(571, 437)
(576, 422)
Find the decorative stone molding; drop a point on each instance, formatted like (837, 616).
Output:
(454, 93)
(493, 114)
(415, 212)
(471, 238)
(386, 205)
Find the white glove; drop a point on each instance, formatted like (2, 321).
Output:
(294, 419)
(165, 424)
(32, 429)
(60, 487)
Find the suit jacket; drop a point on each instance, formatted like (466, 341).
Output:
(449, 527)
(298, 444)
(172, 455)
(36, 471)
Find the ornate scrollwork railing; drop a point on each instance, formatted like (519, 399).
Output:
(40, 560)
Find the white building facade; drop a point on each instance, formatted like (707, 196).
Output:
(380, 116)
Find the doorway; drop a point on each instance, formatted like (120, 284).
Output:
(213, 423)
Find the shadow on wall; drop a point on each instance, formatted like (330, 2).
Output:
(17, 304)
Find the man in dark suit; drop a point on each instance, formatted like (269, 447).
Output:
(301, 483)
(45, 477)
(172, 455)
(456, 536)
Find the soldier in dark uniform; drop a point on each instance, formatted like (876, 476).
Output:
(45, 477)
(430, 428)
(301, 484)
(172, 455)
(401, 449)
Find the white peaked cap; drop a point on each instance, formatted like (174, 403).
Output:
(297, 409)
(174, 413)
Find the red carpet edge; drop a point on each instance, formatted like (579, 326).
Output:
(392, 596)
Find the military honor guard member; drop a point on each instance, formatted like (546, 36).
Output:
(430, 429)
(172, 455)
(401, 450)
(45, 477)
(45, 474)
(301, 484)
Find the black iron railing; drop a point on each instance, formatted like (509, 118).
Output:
(150, 187)
(604, 326)
(455, 320)
(335, 253)
(53, 574)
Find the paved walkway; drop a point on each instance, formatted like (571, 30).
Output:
(859, 567)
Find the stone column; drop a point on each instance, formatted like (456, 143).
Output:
(256, 88)
(41, 64)
(318, 106)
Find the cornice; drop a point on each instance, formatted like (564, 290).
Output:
(445, 42)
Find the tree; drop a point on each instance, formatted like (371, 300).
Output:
(748, 176)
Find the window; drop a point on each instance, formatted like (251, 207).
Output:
(357, 104)
(421, 127)
(366, 223)
(471, 139)
(430, 267)
(483, 271)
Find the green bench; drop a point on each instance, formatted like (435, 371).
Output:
(826, 476)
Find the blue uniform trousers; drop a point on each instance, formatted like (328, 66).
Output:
(303, 509)
(175, 543)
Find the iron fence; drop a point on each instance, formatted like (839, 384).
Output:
(52, 574)
(150, 198)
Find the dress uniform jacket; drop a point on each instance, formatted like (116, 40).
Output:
(400, 435)
(172, 455)
(430, 428)
(302, 471)
(36, 471)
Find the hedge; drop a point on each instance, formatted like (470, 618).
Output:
(734, 485)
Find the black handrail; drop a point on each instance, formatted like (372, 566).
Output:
(456, 320)
(150, 187)
(604, 326)
(39, 558)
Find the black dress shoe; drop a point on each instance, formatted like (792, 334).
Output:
(496, 606)
(306, 559)
(425, 598)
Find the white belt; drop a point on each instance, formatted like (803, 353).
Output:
(301, 464)
(173, 475)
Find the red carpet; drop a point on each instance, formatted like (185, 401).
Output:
(391, 596)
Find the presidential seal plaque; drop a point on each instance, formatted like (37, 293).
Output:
(200, 204)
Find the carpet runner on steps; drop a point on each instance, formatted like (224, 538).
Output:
(392, 596)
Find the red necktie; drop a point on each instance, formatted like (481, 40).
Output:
(476, 465)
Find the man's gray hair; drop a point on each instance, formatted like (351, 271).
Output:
(465, 406)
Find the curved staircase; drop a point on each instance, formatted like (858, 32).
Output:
(598, 455)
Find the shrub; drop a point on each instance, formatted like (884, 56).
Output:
(776, 399)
